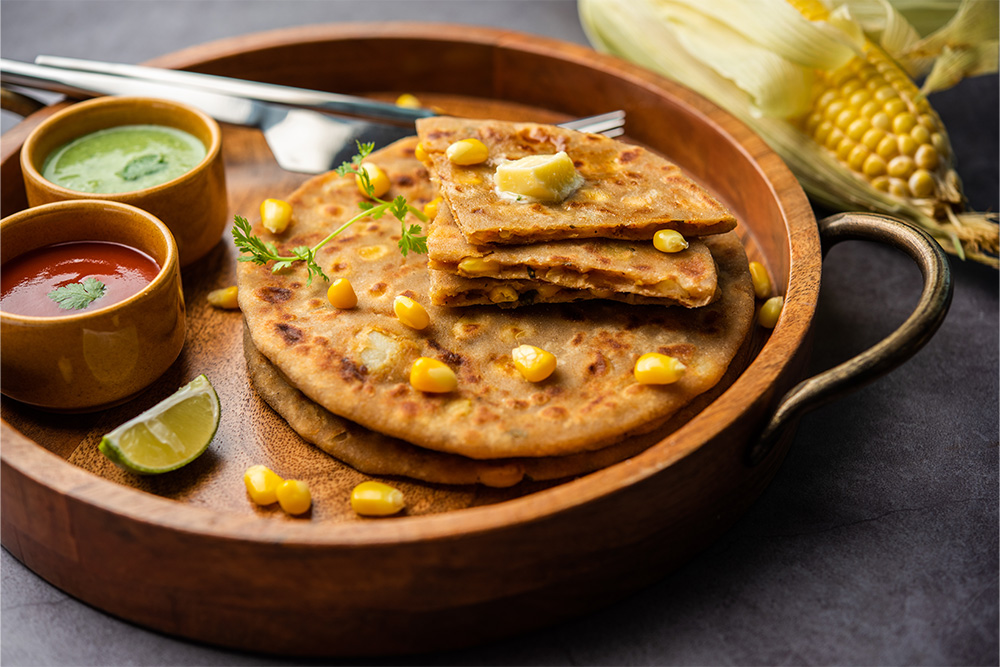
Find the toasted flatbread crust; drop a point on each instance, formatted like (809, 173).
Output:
(356, 363)
(377, 454)
(561, 271)
(628, 191)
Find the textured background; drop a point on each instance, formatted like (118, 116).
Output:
(877, 542)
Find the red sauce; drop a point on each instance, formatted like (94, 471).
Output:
(26, 280)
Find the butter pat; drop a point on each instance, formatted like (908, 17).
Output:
(545, 178)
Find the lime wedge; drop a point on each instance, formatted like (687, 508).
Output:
(170, 434)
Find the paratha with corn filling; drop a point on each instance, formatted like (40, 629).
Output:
(377, 454)
(558, 271)
(356, 363)
(628, 192)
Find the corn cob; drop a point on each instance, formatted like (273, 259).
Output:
(837, 107)
(873, 118)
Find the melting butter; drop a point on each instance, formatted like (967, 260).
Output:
(538, 178)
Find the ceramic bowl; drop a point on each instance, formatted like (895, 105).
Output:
(91, 360)
(193, 206)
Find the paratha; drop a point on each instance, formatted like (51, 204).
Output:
(628, 192)
(377, 454)
(355, 363)
(559, 271)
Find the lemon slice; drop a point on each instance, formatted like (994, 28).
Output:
(170, 434)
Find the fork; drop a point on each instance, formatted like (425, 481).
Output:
(296, 123)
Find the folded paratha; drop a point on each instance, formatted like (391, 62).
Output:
(356, 363)
(628, 192)
(559, 271)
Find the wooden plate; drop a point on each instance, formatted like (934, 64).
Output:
(188, 554)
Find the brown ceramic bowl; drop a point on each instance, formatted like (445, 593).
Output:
(193, 206)
(91, 360)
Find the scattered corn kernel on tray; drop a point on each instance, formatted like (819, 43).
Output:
(219, 557)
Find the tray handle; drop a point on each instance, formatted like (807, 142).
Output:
(888, 353)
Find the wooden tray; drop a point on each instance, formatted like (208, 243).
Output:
(187, 553)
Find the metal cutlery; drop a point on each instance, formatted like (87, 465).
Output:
(297, 123)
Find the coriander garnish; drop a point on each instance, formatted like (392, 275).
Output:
(77, 296)
(261, 252)
(144, 165)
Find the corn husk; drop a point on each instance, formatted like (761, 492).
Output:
(759, 60)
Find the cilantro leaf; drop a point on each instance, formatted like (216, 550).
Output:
(144, 165)
(261, 252)
(410, 240)
(77, 296)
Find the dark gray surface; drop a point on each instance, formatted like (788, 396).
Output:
(877, 542)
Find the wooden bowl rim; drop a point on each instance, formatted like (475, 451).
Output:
(134, 215)
(121, 104)
(50, 470)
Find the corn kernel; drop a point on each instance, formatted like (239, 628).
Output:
(275, 215)
(907, 145)
(845, 118)
(940, 142)
(813, 121)
(534, 363)
(376, 178)
(850, 86)
(885, 93)
(262, 484)
(826, 98)
(921, 134)
(874, 166)
(770, 312)
(888, 148)
(408, 101)
(833, 110)
(921, 183)
(930, 122)
(823, 131)
(895, 107)
(547, 291)
(411, 313)
(881, 183)
(834, 138)
(431, 208)
(873, 137)
(904, 122)
(761, 280)
(901, 166)
(859, 98)
(856, 158)
(420, 152)
(926, 157)
(294, 496)
(227, 297)
(503, 294)
(882, 121)
(432, 376)
(844, 148)
(474, 266)
(341, 294)
(858, 129)
(669, 240)
(870, 108)
(467, 152)
(376, 499)
(656, 368)
(899, 188)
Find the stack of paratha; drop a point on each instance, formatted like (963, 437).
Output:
(491, 246)
(340, 377)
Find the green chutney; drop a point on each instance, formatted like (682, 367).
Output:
(123, 159)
